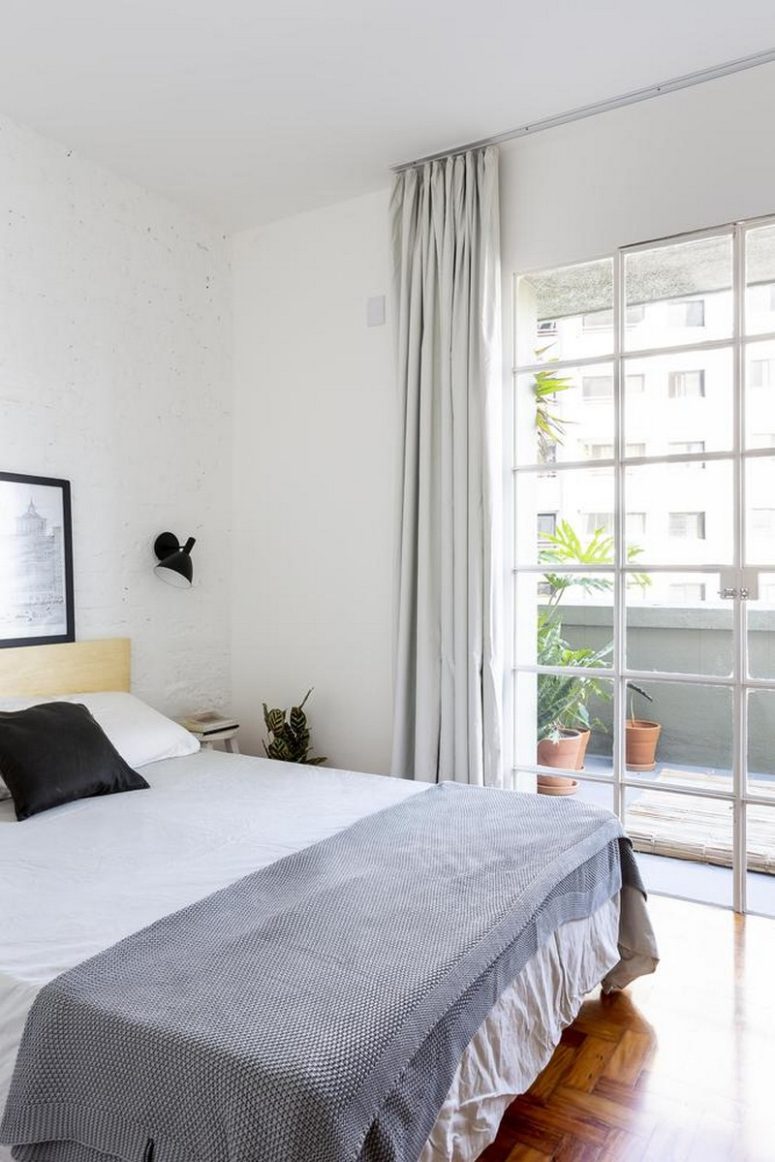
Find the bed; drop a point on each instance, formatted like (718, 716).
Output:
(80, 878)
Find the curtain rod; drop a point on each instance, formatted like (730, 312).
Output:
(684, 82)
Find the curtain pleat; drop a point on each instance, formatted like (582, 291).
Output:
(446, 254)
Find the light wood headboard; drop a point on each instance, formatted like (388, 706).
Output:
(70, 668)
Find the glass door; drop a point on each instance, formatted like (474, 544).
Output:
(644, 571)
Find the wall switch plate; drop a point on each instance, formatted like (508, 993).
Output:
(375, 311)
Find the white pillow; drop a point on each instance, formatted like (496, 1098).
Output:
(140, 734)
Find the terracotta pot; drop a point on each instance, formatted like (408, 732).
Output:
(641, 744)
(584, 736)
(562, 753)
(557, 785)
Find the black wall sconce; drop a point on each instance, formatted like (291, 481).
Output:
(175, 565)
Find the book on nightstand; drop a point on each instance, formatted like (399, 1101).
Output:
(208, 722)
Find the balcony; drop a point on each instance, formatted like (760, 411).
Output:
(685, 841)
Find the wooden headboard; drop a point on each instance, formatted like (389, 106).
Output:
(70, 668)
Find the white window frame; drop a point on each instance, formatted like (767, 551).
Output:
(740, 794)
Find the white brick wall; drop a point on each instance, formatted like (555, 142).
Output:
(115, 374)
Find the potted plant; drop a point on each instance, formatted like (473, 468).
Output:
(289, 736)
(563, 717)
(642, 735)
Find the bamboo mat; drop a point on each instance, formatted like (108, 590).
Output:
(699, 829)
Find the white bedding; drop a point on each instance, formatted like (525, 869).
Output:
(75, 880)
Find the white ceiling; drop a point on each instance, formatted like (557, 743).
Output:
(245, 110)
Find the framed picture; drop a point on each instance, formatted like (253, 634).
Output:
(36, 561)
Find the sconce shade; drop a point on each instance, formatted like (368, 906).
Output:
(175, 565)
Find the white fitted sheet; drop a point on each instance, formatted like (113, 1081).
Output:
(75, 880)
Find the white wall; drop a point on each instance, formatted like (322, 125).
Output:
(115, 374)
(314, 479)
(315, 417)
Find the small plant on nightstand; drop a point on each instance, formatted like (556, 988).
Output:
(289, 739)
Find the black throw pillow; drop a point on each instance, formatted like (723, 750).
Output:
(56, 752)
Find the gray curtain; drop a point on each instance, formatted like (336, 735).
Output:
(449, 677)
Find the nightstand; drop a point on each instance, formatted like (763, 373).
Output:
(227, 737)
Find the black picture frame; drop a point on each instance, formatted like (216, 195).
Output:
(36, 559)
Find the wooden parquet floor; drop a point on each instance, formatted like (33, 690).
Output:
(679, 1068)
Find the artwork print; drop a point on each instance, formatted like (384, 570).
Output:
(36, 561)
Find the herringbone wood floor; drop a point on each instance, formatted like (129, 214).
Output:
(679, 1068)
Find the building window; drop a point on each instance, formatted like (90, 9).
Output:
(763, 521)
(602, 386)
(686, 384)
(604, 320)
(687, 525)
(598, 320)
(631, 450)
(599, 522)
(636, 524)
(600, 451)
(547, 525)
(763, 440)
(688, 593)
(689, 313)
(547, 327)
(685, 447)
(760, 373)
(597, 386)
(603, 522)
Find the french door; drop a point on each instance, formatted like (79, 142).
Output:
(644, 550)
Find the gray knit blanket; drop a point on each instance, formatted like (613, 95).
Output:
(316, 1009)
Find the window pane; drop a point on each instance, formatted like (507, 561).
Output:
(678, 622)
(760, 395)
(688, 513)
(549, 730)
(761, 745)
(760, 280)
(760, 614)
(565, 313)
(564, 415)
(760, 854)
(760, 820)
(694, 744)
(687, 398)
(684, 843)
(684, 291)
(760, 500)
(599, 794)
(577, 502)
(564, 619)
